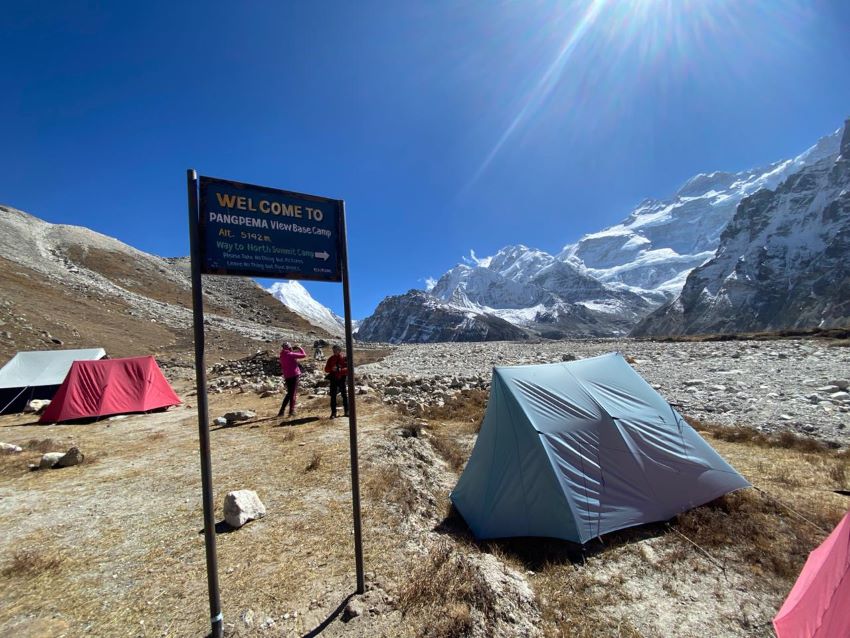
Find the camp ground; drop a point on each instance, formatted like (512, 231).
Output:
(38, 375)
(94, 389)
(579, 449)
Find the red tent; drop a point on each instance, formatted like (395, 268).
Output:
(110, 386)
(819, 603)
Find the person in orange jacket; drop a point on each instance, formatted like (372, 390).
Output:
(337, 371)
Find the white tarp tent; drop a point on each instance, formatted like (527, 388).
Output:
(37, 375)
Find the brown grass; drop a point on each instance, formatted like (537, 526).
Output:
(752, 436)
(573, 604)
(386, 484)
(446, 444)
(450, 592)
(315, 462)
(28, 562)
(466, 406)
(46, 445)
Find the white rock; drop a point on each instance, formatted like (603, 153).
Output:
(829, 389)
(843, 384)
(219, 420)
(50, 459)
(10, 448)
(839, 396)
(242, 506)
(37, 406)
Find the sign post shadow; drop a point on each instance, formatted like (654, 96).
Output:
(255, 231)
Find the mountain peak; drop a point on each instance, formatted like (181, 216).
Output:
(296, 297)
(845, 139)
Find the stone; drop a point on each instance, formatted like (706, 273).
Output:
(241, 506)
(828, 389)
(353, 609)
(36, 406)
(49, 459)
(10, 448)
(220, 420)
(71, 457)
(694, 382)
(240, 415)
(839, 396)
(842, 384)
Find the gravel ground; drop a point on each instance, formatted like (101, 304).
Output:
(796, 385)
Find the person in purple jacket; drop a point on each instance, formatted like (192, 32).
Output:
(291, 371)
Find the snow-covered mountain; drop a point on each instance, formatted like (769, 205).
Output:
(295, 297)
(417, 317)
(782, 260)
(654, 249)
(605, 283)
(517, 291)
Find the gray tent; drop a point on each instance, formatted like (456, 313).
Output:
(576, 450)
(37, 375)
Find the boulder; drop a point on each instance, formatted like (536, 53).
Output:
(71, 457)
(240, 415)
(50, 459)
(242, 506)
(37, 406)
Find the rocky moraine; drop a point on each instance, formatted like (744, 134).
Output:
(782, 385)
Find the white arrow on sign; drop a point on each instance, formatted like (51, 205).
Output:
(322, 255)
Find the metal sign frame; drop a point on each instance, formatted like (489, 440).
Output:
(197, 242)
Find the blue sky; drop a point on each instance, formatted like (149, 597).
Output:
(446, 126)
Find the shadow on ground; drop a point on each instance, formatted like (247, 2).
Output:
(535, 553)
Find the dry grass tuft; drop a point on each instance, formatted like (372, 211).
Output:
(467, 406)
(387, 484)
(764, 534)
(447, 446)
(752, 436)
(838, 472)
(28, 562)
(450, 593)
(574, 604)
(289, 435)
(45, 445)
(315, 462)
(156, 436)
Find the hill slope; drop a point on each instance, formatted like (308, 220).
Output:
(72, 285)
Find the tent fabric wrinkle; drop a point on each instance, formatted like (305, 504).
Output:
(579, 449)
(114, 386)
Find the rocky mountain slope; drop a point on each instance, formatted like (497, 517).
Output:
(782, 260)
(654, 249)
(608, 281)
(528, 288)
(426, 319)
(67, 286)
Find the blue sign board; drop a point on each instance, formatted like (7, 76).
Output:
(264, 232)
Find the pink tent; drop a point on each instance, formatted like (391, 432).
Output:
(110, 386)
(819, 603)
